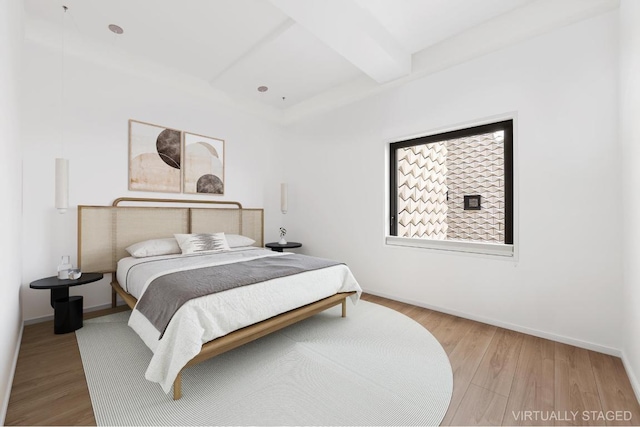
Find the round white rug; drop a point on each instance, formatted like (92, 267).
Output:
(374, 367)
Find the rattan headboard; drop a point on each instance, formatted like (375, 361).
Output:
(105, 231)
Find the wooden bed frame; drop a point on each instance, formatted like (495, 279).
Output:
(101, 217)
(247, 334)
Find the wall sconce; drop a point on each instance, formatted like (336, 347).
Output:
(62, 185)
(62, 165)
(284, 202)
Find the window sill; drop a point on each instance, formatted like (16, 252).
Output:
(496, 249)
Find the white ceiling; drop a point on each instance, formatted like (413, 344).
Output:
(311, 54)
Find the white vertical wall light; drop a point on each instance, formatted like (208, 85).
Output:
(284, 197)
(62, 185)
(284, 206)
(62, 165)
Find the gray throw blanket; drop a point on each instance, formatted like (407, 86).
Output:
(166, 294)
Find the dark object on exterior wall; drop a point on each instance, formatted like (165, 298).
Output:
(472, 203)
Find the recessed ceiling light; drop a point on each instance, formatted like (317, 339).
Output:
(263, 89)
(116, 29)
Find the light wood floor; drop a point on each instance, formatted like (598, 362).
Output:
(500, 377)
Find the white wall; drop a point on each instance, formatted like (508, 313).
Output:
(99, 99)
(11, 35)
(630, 140)
(566, 283)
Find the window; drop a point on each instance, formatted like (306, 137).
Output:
(454, 190)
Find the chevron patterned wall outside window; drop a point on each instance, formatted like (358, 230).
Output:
(432, 175)
(422, 191)
(475, 165)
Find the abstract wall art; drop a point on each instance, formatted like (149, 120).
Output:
(154, 158)
(203, 165)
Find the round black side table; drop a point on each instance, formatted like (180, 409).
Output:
(275, 246)
(67, 311)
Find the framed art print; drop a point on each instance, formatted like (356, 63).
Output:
(154, 158)
(203, 166)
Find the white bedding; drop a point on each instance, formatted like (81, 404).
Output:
(203, 319)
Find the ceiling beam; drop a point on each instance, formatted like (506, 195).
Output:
(277, 32)
(353, 33)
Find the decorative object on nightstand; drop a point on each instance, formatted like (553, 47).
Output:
(282, 240)
(75, 274)
(278, 247)
(64, 267)
(67, 311)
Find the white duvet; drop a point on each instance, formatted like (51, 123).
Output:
(203, 319)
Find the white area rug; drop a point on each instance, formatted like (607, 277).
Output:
(374, 367)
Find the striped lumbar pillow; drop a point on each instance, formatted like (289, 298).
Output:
(202, 242)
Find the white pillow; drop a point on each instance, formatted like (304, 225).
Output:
(202, 242)
(154, 247)
(237, 240)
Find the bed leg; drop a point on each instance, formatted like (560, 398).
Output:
(344, 307)
(177, 387)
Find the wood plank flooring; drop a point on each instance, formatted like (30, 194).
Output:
(500, 377)
(49, 386)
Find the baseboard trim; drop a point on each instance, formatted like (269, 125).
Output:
(9, 385)
(635, 384)
(50, 316)
(535, 332)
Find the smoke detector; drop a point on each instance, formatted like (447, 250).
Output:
(116, 29)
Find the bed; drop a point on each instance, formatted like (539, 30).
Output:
(180, 332)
